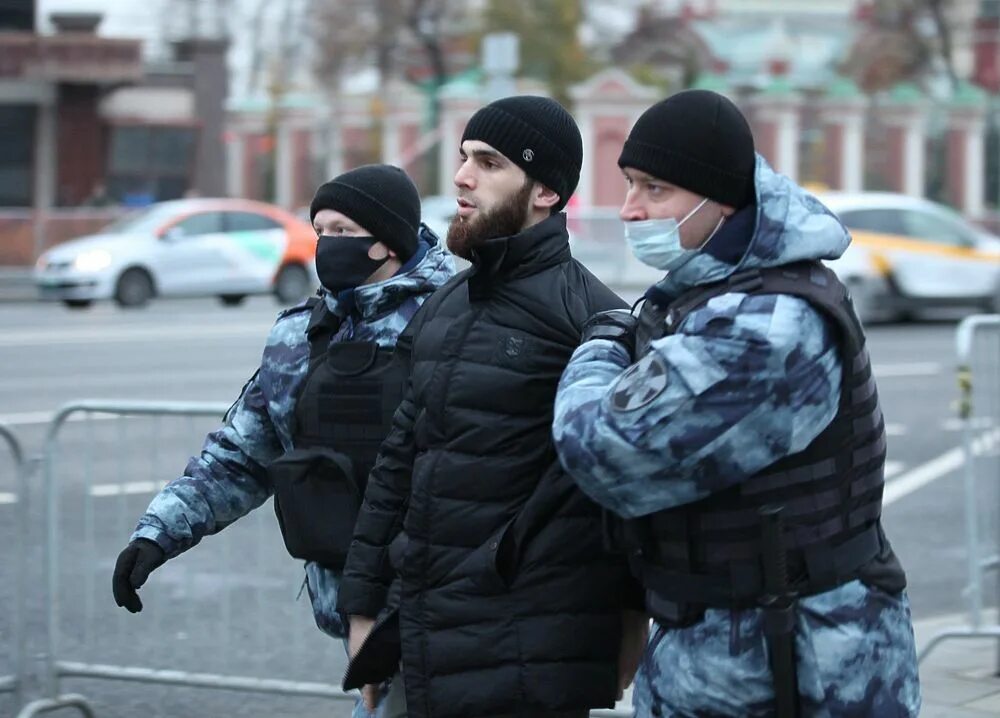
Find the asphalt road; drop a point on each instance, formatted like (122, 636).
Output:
(229, 606)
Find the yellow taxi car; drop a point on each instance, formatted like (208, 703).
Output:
(910, 254)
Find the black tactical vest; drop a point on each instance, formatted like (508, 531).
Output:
(708, 553)
(342, 414)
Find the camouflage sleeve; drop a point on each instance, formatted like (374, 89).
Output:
(746, 381)
(224, 483)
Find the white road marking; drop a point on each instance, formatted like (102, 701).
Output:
(978, 422)
(6, 498)
(895, 430)
(934, 469)
(893, 467)
(888, 371)
(132, 487)
(28, 418)
(116, 379)
(129, 335)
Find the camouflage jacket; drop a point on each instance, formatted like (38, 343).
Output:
(229, 478)
(697, 436)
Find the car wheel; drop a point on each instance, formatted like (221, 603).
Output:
(292, 284)
(134, 288)
(78, 303)
(232, 300)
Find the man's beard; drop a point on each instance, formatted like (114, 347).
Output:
(504, 220)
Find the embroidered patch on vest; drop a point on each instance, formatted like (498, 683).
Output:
(640, 384)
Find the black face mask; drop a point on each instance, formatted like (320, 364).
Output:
(343, 262)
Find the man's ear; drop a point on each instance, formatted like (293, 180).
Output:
(543, 198)
(727, 211)
(380, 251)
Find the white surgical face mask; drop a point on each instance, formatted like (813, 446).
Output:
(657, 242)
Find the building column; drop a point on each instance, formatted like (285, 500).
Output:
(284, 165)
(908, 161)
(966, 151)
(44, 190)
(585, 187)
(776, 128)
(456, 110)
(235, 162)
(843, 116)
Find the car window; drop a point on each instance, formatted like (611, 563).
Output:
(249, 222)
(934, 228)
(884, 221)
(201, 223)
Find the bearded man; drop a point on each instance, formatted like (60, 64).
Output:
(510, 601)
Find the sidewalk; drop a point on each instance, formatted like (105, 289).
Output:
(957, 679)
(16, 285)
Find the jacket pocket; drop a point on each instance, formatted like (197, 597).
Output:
(492, 567)
(316, 500)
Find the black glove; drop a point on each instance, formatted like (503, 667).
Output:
(618, 325)
(133, 567)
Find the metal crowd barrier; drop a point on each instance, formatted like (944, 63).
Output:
(978, 350)
(13, 518)
(223, 615)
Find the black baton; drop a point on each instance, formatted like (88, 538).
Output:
(778, 604)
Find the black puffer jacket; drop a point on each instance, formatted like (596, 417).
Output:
(510, 603)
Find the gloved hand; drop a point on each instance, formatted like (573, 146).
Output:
(618, 325)
(133, 567)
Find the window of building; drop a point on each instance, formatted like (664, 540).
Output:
(17, 145)
(150, 163)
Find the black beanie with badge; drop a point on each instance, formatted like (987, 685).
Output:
(699, 141)
(538, 135)
(380, 198)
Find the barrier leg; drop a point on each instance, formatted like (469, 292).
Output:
(47, 705)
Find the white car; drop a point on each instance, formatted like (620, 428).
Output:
(228, 248)
(909, 253)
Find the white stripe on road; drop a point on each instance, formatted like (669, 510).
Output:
(120, 379)
(893, 467)
(888, 371)
(6, 498)
(28, 418)
(936, 468)
(132, 487)
(895, 430)
(128, 335)
(978, 422)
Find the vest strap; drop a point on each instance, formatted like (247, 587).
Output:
(826, 568)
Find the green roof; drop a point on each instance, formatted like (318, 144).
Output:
(843, 88)
(905, 93)
(711, 81)
(968, 95)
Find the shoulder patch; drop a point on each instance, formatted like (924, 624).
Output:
(640, 384)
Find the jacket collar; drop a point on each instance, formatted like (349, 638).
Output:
(538, 247)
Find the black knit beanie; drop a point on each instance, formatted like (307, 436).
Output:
(381, 198)
(699, 141)
(538, 135)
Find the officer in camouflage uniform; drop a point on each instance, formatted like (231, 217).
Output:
(376, 265)
(736, 425)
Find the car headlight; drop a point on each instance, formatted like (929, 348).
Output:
(92, 261)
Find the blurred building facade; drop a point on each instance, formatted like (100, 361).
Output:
(88, 122)
(782, 63)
